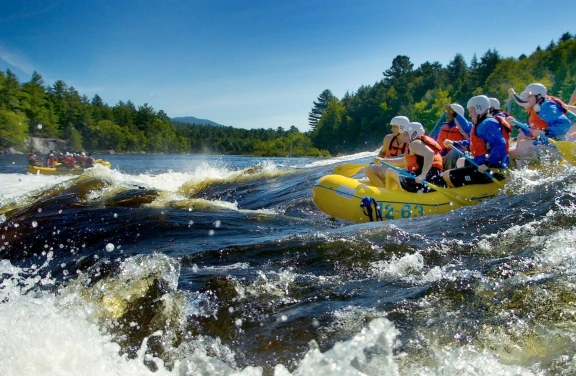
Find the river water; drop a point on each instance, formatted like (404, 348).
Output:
(220, 265)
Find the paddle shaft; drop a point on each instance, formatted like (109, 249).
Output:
(486, 172)
(444, 191)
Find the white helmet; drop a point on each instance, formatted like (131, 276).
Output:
(535, 89)
(494, 103)
(457, 108)
(400, 121)
(480, 102)
(414, 127)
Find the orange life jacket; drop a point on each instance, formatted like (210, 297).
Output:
(68, 162)
(478, 145)
(413, 162)
(449, 133)
(536, 122)
(394, 149)
(50, 162)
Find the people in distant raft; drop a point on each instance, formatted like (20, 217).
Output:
(489, 146)
(546, 115)
(394, 146)
(68, 160)
(81, 159)
(89, 161)
(50, 160)
(33, 159)
(456, 128)
(423, 160)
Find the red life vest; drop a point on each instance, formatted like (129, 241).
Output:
(50, 162)
(68, 162)
(449, 133)
(478, 145)
(394, 148)
(413, 162)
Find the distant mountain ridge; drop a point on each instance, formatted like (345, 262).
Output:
(193, 120)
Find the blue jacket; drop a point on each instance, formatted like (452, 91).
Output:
(558, 123)
(490, 131)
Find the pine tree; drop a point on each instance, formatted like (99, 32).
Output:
(316, 113)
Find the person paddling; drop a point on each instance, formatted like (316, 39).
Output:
(394, 146)
(422, 159)
(546, 115)
(457, 129)
(489, 146)
(33, 159)
(50, 160)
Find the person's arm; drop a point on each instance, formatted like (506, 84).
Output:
(464, 126)
(385, 146)
(572, 100)
(399, 161)
(419, 148)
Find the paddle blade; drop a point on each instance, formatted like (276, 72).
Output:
(451, 195)
(349, 169)
(567, 148)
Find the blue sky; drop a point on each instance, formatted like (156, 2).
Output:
(257, 64)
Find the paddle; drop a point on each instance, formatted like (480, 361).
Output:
(486, 172)
(349, 169)
(445, 191)
(566, 148)
(434, 132)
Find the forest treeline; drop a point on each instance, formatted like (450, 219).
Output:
(59, 111)
(356, 122)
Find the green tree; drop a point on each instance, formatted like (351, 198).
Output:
(13, 129)
(319, 106)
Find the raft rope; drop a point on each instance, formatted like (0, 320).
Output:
(366, 206)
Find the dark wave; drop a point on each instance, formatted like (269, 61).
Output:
(250, 262)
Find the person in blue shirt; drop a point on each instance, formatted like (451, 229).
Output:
(546, 115)
(489, 145)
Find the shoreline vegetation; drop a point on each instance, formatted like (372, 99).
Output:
(357, 122)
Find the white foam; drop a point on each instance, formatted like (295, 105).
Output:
(345, 158)
(17, 185)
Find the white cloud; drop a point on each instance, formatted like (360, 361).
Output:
(17, 59)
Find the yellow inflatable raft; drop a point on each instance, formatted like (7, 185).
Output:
(356, 201)
(61, 170)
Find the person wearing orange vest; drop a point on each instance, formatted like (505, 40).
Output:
(457, 129)
(68, 160)
(546, 115)
(489, 146)
(51, 161)
(33, 159)
(423, 160)
(452, 129)
(394, 146)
